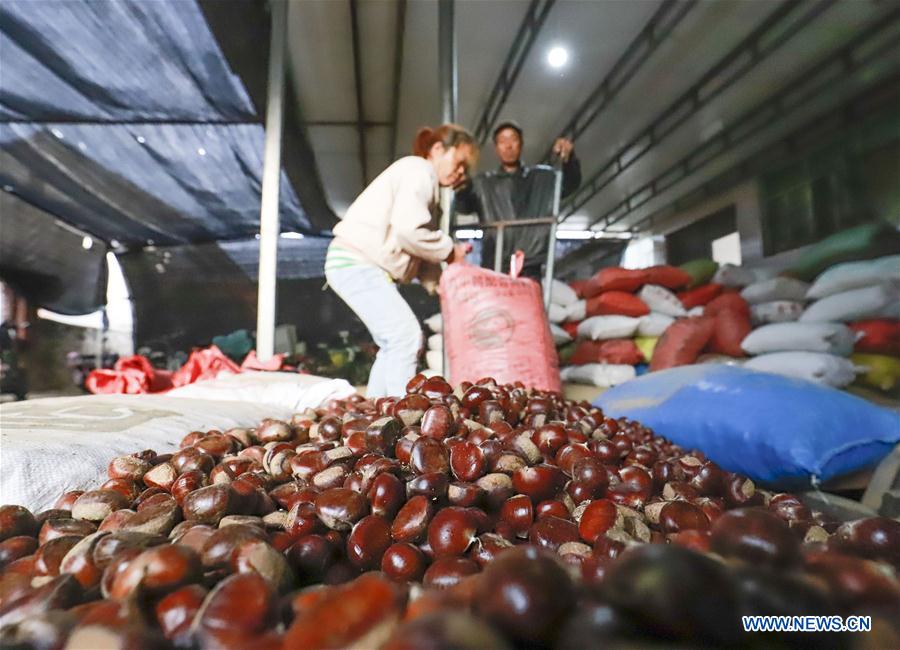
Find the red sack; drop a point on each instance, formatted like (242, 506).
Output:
(879, 336)
(670, 277)
(495, 326)
(571, 328)
(158, 381)
(616, 303)
(700, 296)
(731, 328)
(615, 279)
(622, 351)
(682, 342)
(578, 287)
(728, 300)
(203, 364)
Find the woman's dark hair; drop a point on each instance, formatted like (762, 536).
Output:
(450, 135)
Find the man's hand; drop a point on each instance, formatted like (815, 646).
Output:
(563, 147)
(459, 252)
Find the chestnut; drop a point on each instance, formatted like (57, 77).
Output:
(340, 508)
(875, 538)
(158, 570)
(527, 593)
(539, 482)
(260, 557)
(12, 548)
(674, 593)
(311, 556)
(367, 542)
(677, 516)
(176, 611)
(755, 536)
(447, 572)
(243, 602)
(451, 531)
(551, 532)
(209, 504)
(429, 455)
(598, 517)
(386, 495)
(403, 562)
(412, 520)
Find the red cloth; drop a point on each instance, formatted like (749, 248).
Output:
(204, 364)
(134, 375)
(251, 362)
(700, 296)
(611, 351)
(616, 303)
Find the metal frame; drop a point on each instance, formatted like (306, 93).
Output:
(879, 39)
(638, 52)
(357, 83)
(268, 212)
(515, 59)
(399, 35)
(756, 163)
(774, 31)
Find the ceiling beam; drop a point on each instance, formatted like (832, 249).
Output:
(357, 83)
(515, 59)
(653, 34)
(399, 35)
(779, 26)
(876, 44)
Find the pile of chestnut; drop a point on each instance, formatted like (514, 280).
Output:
(490, 516)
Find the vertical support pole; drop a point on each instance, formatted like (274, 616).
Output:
(551, 249)
(268, 213)
(447, 65)
(498, 250)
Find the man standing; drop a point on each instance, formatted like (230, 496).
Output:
(516, 191)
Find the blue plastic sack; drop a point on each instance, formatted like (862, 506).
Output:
(774, 429)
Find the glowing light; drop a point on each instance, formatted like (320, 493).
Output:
(87, 243)
(557, 57)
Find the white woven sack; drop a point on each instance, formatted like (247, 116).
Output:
(819, 367)
(54, 445)
(831, 338)
(557, 313)
(576, 311)
(289, 390)
(654, 324)
(560, 336)
(435, 360)
(602, 375)
(435, 323)
(600, 328)
(561, 293)
(729, 275)
(661, 300)
(779, 311)
(880, 301)
(775, 289)
(854, 275)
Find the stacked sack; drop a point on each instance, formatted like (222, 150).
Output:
(864, 295)
(811, 331)
(617, 321)
(434, 352)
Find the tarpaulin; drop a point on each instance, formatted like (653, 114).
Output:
(48, 262)
(123, 119)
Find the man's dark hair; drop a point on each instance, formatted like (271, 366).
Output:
(508, 124)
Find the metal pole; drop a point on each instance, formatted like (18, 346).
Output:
(268, 213)
(447, 61)
(551, 249)
(498, 250)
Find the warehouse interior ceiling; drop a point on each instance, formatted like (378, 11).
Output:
(662, 96)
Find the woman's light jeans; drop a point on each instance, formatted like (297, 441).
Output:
(374, 298)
